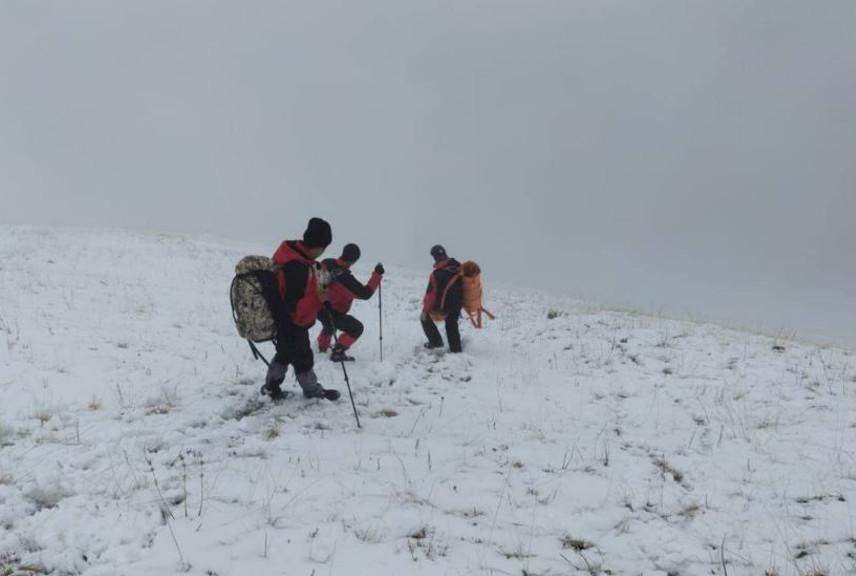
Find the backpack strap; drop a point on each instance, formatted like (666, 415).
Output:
(258, 355)
(476, 318)
(449, 284)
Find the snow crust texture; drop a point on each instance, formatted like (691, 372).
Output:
(565, 440)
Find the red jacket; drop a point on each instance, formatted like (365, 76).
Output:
(444, 291)
(345, 288)
(298, 284)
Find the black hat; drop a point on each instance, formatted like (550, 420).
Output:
(318, 234)
(351, 253)
(439, 253)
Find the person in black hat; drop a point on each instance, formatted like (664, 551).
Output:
(443, 301)
(300, 287)
(343, 289)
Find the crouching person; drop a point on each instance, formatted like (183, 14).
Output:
(342, 291)
(300, 291)
(443, 301)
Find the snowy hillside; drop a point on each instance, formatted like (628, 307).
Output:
(565, 439)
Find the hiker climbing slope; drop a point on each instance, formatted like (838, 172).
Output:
(300, 287)
(443, 301)
(342, 291)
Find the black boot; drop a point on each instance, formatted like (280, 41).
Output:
(273, 381)
(320, 392)
(274, 391)
(338, 354)
(312, 389)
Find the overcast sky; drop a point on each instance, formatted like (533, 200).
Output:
(691, 157)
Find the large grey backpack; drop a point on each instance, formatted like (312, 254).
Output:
(256, 303)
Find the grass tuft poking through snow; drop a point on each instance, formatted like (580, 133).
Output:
(571, 543)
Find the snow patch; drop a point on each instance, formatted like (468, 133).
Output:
(566, 439)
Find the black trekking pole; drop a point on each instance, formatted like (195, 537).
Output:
(344, 370)
(380, 316)
(257, 354)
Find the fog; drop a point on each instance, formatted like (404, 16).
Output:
(687, 158)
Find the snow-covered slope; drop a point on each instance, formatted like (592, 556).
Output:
(565, 440)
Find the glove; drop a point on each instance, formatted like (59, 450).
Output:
(379, 269)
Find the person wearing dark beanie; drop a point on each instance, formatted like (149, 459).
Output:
(443, 301)
(344, 288)
(350, 253)
(318, 234)
(300, 289)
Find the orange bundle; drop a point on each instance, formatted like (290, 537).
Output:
(472, 288)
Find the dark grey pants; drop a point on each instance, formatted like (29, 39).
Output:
(292, 347)
(453, 333)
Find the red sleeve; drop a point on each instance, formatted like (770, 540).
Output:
(430, 295)
(374, 281)
(307, 308)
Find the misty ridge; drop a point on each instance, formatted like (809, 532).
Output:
(694, 161)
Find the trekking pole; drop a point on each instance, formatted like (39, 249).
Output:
(344, 370)
(380, 316)
(257, 354)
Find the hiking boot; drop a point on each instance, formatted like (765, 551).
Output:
(432, 345)
(274, 379)
(328, 393)
(275, 393)
(312, 389)
(338, 355)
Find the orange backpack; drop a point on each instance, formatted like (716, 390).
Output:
(470, 276)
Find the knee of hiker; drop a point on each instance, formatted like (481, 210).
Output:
(304, 364)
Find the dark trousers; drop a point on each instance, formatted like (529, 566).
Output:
(292, 347)
(339, 321)
(453, 333)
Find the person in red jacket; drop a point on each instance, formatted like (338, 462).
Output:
(300, 287)
(342, 291)
(443, 299)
